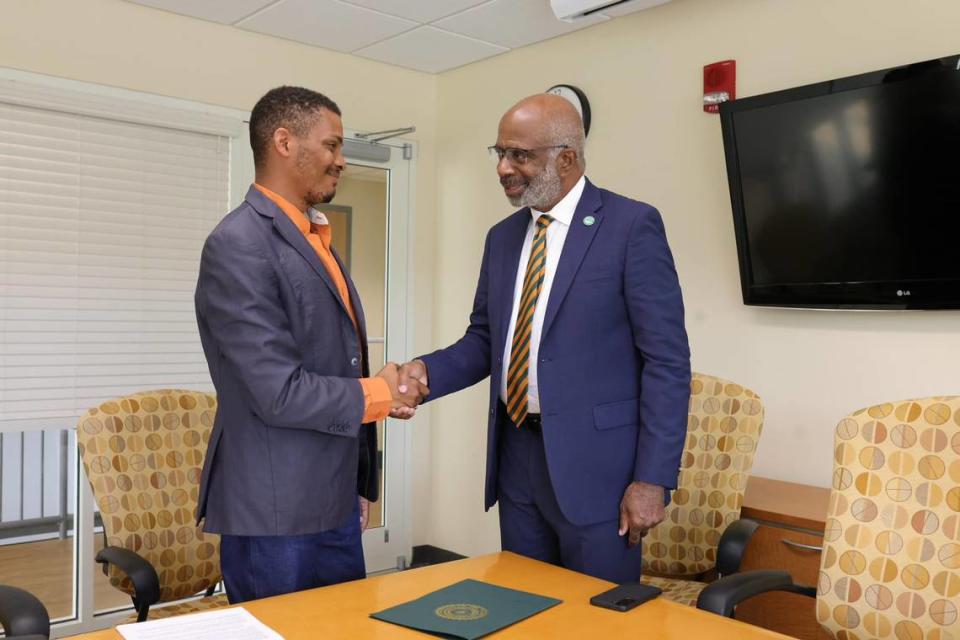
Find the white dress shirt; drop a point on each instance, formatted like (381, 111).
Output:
(562, 215)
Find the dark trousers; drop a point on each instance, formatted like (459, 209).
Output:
(262, 566)
(532, 525)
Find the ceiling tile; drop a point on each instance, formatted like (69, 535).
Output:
(631, 7)
(326, 23)
(224, 11)
(513, 23)
(420, 10)
(431, 50)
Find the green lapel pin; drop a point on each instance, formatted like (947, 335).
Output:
(589, 220)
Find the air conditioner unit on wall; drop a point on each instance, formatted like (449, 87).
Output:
(573, 10)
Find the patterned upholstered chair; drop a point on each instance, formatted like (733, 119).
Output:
(143, 455)
(890, 566)
(702, 530)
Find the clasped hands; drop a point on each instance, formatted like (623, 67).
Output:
(408, 386)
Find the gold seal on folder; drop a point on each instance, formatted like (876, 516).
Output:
(461, 612)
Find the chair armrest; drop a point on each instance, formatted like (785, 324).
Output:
(732, 545)
(22, 614)
(146, 583)
(723, 596)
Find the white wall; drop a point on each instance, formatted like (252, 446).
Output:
(651, 140)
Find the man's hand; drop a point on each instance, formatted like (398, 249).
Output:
(640, 509)
(411, 374)
(364, 513)
(407, 398)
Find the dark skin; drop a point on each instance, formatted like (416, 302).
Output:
(305, 170)
(528, 125)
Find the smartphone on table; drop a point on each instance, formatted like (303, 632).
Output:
(625, 596)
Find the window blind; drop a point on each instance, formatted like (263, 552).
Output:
(101, 226)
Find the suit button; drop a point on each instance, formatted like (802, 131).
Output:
(354, 361)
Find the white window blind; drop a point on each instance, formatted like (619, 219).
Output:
(102, 222)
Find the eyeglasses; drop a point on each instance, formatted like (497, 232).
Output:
(515, 155)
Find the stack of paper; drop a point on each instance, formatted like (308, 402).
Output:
(225, 624)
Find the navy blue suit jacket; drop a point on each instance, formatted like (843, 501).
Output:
(614, 362)
(288, 453)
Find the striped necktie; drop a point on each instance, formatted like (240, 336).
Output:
(520, 348)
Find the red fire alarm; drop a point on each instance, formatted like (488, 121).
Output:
(719, 84)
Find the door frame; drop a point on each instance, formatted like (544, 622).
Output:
(389, 546)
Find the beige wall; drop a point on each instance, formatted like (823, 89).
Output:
(122, 44)
(651, 141)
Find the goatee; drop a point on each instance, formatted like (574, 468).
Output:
(541, 190)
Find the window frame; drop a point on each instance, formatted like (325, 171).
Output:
(35, 90)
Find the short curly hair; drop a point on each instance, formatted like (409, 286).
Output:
(293, 108)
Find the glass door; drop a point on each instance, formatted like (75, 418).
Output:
(369, 221)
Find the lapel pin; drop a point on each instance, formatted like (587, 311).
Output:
(589, 220)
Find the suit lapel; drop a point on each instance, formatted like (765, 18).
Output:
(289, 232)
(354, 297)
(579, 237)
(358, 313)
(504, 278)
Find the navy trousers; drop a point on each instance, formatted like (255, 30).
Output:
(532, 525)
(262, 566)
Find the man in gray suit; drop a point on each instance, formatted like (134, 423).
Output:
(292, 460)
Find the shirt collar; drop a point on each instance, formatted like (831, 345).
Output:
(295, 215)
(564, 210)
(298, 218)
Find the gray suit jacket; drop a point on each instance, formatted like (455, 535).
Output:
(288, 453)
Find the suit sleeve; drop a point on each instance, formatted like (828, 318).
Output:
(238, 297)
(467, 361)
(655, 305)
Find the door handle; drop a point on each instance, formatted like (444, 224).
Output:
(800, 545)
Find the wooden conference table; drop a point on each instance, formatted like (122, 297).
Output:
(342, 611)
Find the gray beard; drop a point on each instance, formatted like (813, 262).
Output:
(543, 189)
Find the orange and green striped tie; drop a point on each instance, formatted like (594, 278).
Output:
(520, 348)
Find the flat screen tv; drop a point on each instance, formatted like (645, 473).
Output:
(846, 193)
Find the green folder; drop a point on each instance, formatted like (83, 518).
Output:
(469, 609)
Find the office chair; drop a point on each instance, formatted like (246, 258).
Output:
(22, 616)
(702, 531)
(143, 455)
(890, 566)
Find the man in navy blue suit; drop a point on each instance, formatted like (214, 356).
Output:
(578, 320)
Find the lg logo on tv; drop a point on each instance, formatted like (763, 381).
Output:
(903, 292)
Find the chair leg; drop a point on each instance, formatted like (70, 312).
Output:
(142, 610)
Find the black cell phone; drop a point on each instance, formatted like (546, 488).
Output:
(625, 597)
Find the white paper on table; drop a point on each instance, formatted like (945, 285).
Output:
(227, 624)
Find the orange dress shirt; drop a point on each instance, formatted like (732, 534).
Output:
(376, 392)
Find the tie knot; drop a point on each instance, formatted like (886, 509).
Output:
(544, 221)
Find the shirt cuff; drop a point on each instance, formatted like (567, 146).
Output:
(377, 399)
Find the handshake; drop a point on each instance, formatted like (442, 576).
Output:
(408, 386)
